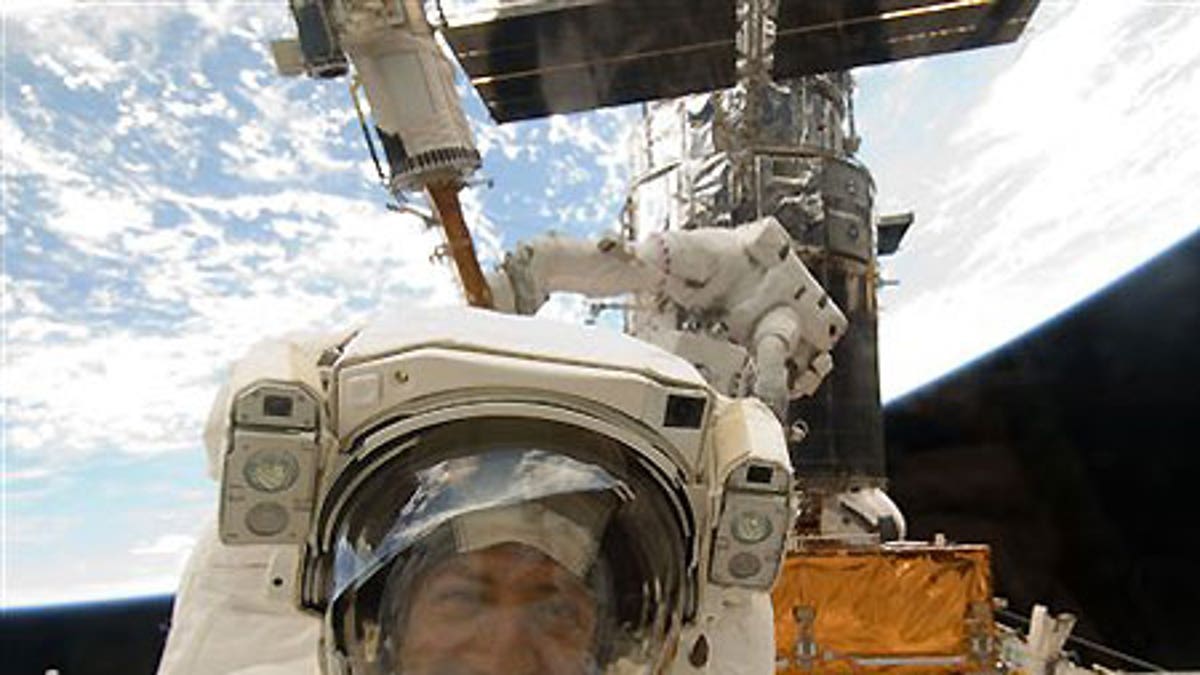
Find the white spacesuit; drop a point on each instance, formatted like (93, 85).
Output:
(769, 324)
(466, 492)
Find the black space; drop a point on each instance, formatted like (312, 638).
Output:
(121, 637)
(1071, 451)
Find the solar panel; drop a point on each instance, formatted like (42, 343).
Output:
(556, 57)
(585, 57)
(814, 37)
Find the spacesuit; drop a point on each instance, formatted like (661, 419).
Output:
(467, 492)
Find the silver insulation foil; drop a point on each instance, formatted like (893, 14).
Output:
(782, 149)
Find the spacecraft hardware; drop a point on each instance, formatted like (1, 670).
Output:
(748, 389)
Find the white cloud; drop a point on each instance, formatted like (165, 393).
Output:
(288, 138)
(82, 209)
(77, 387)
(98, 215)
(598, 137)
(491, 137)
(67, 540)
(125, 392)
(25, 156)
(174, 545)
(124, 582)
(11, 477)
(1075, 165)
(87, 67)
(92, 369)
(19, 8)
(36, 530)
(77, 41)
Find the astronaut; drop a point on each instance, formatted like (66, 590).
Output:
(462, 491)
(768, 326)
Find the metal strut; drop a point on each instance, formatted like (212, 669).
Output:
(444, 196)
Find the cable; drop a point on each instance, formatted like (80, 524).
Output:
(362, 122)
(1095, 646)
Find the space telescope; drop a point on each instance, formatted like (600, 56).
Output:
(748, 245)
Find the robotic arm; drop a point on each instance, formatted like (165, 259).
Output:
(410, 85)
(746, 281)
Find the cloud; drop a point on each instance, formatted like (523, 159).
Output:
(36, 530)
(174, 545)
(10, 477)
(125, 582)
(1071, 166)
(139, 267)
(100, 381)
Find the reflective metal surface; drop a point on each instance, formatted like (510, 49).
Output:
(916, 608)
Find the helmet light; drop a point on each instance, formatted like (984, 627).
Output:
(751, 527)
(271, 470)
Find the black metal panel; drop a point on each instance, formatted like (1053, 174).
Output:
(624, 51)
(601, 84)
(586, 57)
(844, 415)
(891, 231)
(816, 37)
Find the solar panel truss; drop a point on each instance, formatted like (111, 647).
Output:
(572, 57)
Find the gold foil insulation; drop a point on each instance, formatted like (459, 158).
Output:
(908, 608)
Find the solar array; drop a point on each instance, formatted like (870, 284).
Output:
(572, 57)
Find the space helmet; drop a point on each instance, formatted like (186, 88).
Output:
(504, 544)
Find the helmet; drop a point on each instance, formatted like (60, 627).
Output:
(503, 544)
(474, 494)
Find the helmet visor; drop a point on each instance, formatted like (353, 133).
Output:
(507, 545)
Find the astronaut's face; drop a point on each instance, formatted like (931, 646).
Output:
(505, 609)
